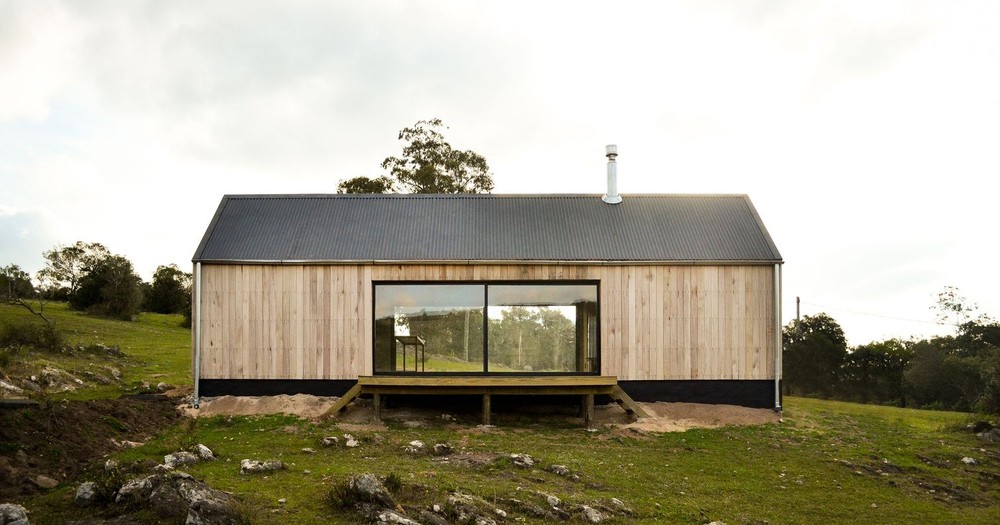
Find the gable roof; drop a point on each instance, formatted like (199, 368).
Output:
(468, 228)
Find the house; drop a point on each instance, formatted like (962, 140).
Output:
(676, 297)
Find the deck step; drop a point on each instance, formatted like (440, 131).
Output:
(627, 403)
(344, 400)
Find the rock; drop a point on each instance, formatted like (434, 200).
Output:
(167, 502)
(620, 505)
(447, 417)
(371, 488)
(429, 518)
(522, 460)
(252, 466)
(592, 515)
(561, 470)
(415, 447)
(968, 461)
(204, 452)
(530, 509)
(351, 442)
(110, 464)
(468, 509)
(716, 523)
(14, 389)
(163, 387)
(442, 449)
(330, 441)
(207, 505)
(13, 514)
(135, 490)
(308, 450)
(282, 501)
(990, 436)
(552, 500)
(393, 517)
(178, 459)
(500, 512)
(980, 426)
(85, 494)
(45, 482)
(176, 495)
(378, 439)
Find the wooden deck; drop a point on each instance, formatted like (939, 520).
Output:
(487, 386)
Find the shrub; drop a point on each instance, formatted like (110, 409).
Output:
(31, 335)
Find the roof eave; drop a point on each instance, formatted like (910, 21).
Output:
(510, 262)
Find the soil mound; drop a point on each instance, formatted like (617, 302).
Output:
(302, 405)
(59, 440)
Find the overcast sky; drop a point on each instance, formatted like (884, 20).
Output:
(866, 133)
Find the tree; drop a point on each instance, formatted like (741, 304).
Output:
(873, 373)
(15, 284)
(937, 378)
(169, 292)
(365, 185)
(16, 289)
(428, 165)
(110, 288)
(67, 265)
(813, 353)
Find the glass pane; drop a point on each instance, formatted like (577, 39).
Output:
(542, 328)
(428, 328)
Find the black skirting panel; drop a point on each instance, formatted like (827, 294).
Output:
(748, 393)
(273, 387)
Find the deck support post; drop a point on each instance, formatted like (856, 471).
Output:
(377, 403)
(588, 409)
(486, 408)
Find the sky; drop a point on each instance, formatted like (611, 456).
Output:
(867, 133)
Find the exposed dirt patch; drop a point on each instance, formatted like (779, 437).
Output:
(678, 417)
(302, 405)
(60, 440)
(666, 417)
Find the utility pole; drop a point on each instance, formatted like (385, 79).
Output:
(797, 320)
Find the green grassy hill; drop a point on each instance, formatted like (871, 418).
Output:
(827, 462)
(156, 350)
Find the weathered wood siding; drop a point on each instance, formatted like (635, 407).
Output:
(657, 322)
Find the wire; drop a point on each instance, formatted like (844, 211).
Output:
(880, 315)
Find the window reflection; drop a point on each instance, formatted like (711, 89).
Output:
(440, 327)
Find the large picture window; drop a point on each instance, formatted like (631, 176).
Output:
(497, 328)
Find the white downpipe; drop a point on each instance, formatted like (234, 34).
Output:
(612, 197)
(196, 311)
(777, 337)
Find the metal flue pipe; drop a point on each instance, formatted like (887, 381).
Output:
(612, 196)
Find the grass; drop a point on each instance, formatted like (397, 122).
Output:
(157, 348)
(827, 462)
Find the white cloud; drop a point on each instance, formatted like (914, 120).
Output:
(865, 132)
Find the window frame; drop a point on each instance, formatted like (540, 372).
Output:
(596, 283)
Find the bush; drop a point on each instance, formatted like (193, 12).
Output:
(111, 288)
(30, 335)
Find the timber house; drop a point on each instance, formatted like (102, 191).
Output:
(661, 297)
(651, 297)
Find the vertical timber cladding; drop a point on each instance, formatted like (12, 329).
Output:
(658, 322)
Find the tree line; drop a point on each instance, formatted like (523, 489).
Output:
(92, 279)
(952, 372)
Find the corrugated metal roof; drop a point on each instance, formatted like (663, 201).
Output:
(655, 228)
